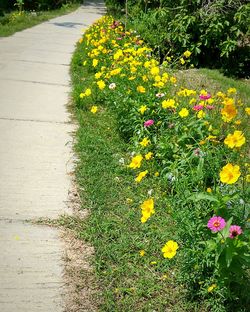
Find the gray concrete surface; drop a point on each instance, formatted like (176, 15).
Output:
(35, 153)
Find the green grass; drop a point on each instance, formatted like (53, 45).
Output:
(243, 86)
(213, 81)
(13, 22)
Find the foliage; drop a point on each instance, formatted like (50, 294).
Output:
(216, 32)
(7, 5)
(190, 147)
(19, 20)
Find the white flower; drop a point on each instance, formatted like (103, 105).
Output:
(112, 86)
(150, 192)
(160, 95)
(122, 161)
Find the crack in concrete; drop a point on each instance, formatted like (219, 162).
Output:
(40, 62)
(40, 82)
(37, 120)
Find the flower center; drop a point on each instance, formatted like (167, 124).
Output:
(216, 224)
(234, 233)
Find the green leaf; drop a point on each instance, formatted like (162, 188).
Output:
(229, 255)
(202, 196)
(225, 231)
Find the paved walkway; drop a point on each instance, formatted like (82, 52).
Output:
(34, 155)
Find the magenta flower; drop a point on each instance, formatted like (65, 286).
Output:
(205, 97)
(198, 107)
(215, 224)
(234, 231)
(210, 107)
(148, 123)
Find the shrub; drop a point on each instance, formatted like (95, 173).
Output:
(217, 32)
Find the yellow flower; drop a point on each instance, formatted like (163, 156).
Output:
(231, 90)
(168, 103)
(228, 112)
(173, 79)
(145, 142)
(98, 75)
(169, 250)
(192, 101)
(142, 253)
(136, 162)
(187, 53)
(155, 71)
(247, 110)
(209, 190)
(149, 155)
(182, 61)
(153, 262)
(203, 92)
(141, 175)
(94, 109)
(142, 109)
(183, 112)
(95, 62)
(230, 174)
(159, 84)
(212, 138)
(80, 40)
(211, 288)
(101, 84)
(157, 78)
(141, 89)
(236, 139)
(118, 54)
(220, 94)
(86, 93)
(201, 114)
(147, 209)
(157, 174)
(237, 122)
(115, 71)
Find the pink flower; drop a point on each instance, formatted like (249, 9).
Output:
(210, 107)
(119, 38)
(205, 97)
(215, 224)
(148, 123)
(234, 231)
(198, 107)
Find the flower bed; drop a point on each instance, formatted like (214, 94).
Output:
(191, 147)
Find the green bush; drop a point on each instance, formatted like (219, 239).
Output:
(216, 32)
(7, 5)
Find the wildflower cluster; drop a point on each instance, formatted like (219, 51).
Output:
(190, 144)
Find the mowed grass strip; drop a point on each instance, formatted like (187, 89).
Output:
(13, 22)
(214, 81)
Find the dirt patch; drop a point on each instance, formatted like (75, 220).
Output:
(80, 284)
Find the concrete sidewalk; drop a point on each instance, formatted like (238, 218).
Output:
(35, 158)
